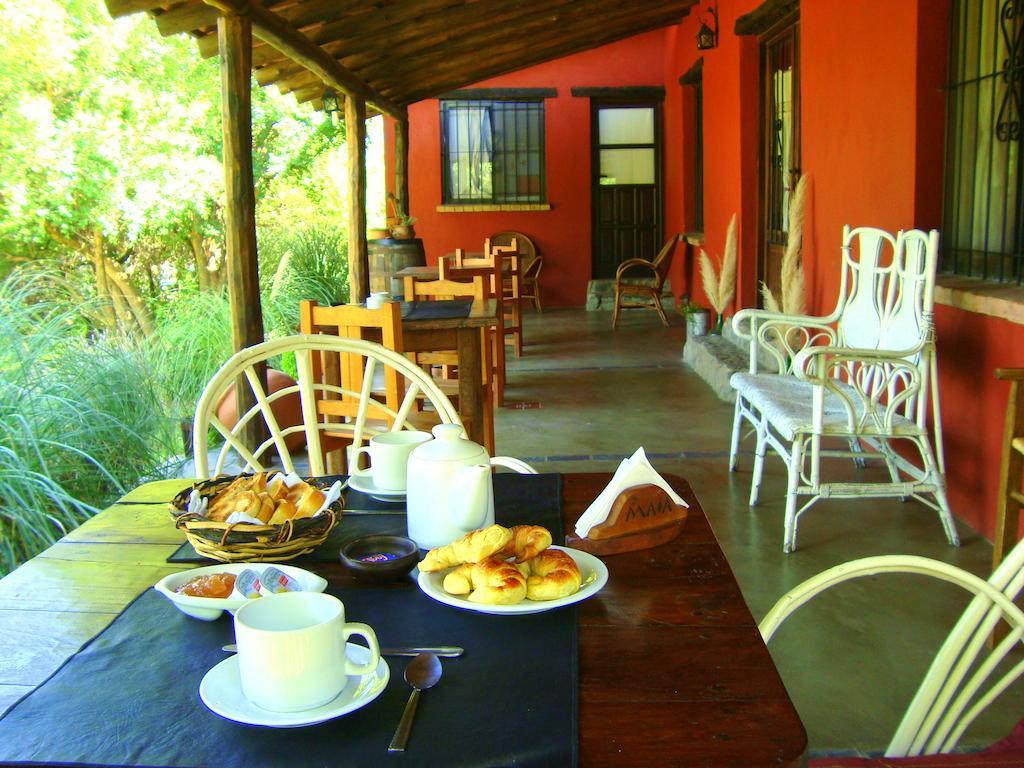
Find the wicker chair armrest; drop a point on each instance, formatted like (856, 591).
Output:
(874, 386)
(777, 338)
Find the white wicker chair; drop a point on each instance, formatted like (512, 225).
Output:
(363, 417)
(966, 675)
(863, 374)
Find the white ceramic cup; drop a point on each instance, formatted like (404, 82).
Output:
(389, 458)
(291, 650)
(377, 298)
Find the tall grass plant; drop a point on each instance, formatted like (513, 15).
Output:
(79, 414)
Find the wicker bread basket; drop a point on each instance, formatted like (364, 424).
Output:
(246, 542)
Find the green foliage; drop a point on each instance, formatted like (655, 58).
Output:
(192, 340)
(312, 264)
(80, 420)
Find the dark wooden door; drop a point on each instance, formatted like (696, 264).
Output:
(626, 187)
(780, 145)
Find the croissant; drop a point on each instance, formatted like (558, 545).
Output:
(552, 574)
(527, 542)
(459, 581)
(496, 582)
(471, 548)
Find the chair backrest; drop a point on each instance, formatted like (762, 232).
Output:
(357, 407)
(887, 288)
(432, 290)
(523, 244)
(354, 321)
(663, 260)
(966, 675)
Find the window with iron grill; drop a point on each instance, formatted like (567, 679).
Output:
(492, 151)
(983, 210)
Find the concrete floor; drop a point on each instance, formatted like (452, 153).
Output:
(852, 659)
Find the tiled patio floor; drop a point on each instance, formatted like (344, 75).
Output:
(852, 659)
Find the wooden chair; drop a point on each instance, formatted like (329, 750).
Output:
(455, 268)
(530, 263)
(353, 321)
(362, 415)
(477, 289)
(630, 294)
(1011, 467)
(507, 258)
(966, 675)
(531, 281)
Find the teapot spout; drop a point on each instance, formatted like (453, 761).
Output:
(470, 497)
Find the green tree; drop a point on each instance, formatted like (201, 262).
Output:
(111, 149)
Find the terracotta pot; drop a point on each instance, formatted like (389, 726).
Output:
(287, 410)
(378, 234)
(403, 232)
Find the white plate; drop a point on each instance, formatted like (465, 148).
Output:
(365, 485)
(221, 692)
(210, 608)
(593, 571)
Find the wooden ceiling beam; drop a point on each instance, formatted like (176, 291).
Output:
(475, 52)
(186, 18)
(118, 8)
(441, 81)
(270, 28)
(436, 32)
(395, 64)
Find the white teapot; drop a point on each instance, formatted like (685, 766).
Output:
(449, 490)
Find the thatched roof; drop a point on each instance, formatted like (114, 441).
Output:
(396, 52)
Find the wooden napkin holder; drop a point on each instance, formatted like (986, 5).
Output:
(641, 517)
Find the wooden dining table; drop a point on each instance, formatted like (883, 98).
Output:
(672, 669)
(463, 335)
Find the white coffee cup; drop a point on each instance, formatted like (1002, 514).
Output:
(291, 650)
(377, 298)
(389, 458)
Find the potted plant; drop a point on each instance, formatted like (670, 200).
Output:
(401, 227)
(697, 318)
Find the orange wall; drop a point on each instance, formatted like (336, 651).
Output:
(562, 234)
(872, 124)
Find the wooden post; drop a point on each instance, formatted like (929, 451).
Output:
(402, 164)
(358, 255)
(234, 39)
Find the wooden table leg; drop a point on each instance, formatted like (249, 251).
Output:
(471, 396)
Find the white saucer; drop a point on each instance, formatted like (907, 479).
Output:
(592, 569)
(365, 485)
(221, 692)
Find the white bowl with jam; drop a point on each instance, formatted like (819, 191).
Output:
(211, 606)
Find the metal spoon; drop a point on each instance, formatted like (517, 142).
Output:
(423, 672)
(445, 651)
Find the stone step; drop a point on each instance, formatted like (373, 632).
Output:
(715, 359)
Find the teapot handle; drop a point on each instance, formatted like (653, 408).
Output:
(519, 466)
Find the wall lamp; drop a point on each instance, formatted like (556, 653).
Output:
(707, 37)
(331, 102)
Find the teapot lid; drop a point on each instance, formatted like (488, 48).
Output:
(449, 445)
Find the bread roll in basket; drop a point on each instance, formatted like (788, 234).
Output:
(291, 528)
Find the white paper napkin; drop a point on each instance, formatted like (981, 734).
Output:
(636, 470)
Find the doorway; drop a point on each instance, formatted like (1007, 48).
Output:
(625, 184)
(780, 145)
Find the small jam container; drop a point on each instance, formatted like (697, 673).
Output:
(380, 557)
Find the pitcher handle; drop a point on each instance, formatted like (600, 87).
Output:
(519, 466)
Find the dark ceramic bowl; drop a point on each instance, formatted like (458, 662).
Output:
(380, 558)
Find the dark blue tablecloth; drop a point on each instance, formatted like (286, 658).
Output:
(130, 696)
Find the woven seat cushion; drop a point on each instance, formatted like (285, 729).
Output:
(786, 402)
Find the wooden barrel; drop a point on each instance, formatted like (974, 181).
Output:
(387, 257)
